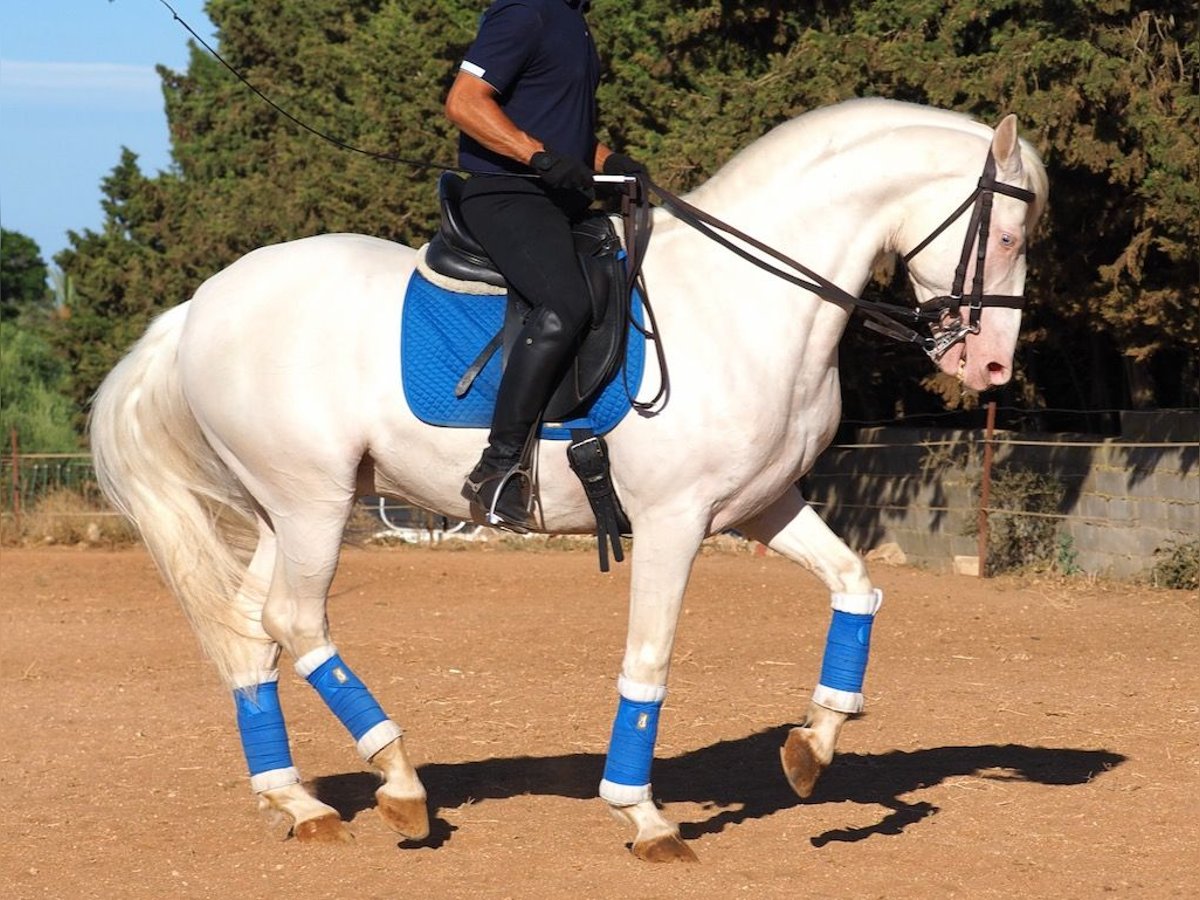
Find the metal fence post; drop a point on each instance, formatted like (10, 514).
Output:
(16, 482)
(985, 487)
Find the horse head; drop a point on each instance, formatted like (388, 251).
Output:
(968, 272)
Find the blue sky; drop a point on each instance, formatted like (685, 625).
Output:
(77, 82)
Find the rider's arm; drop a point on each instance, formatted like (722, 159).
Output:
(471, 105)
(603, 152)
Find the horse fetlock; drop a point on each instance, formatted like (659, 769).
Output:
(401, 800)
(826, 724)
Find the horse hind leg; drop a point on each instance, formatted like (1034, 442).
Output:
(792, 528)
(295, 616)
(250, 660)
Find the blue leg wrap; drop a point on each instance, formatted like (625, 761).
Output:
(631, 751)
(846, 651)
(346, 696)
(260, 721)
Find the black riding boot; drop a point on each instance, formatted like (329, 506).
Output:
(499, 488)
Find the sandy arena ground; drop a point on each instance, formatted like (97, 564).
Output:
(1024, 738)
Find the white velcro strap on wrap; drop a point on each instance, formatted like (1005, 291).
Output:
(244, 680)
(639, 692)
(275, 778)
(838, 701)
(623, 794)
(314, 659)
(378, 737)
(858, 604)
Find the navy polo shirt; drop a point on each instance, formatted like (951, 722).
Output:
(540, 58)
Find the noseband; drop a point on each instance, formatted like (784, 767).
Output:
(948, 331)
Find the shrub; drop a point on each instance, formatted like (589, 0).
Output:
(1023, 524)
(1177, 565)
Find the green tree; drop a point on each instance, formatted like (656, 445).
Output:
(31, 401)
(31, 377)
(137, 265)
(1106, 90)
(22, 276)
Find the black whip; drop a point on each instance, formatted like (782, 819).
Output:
(385, 157)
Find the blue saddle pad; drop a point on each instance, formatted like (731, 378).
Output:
(442, 333)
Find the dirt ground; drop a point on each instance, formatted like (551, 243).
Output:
(1024, 738)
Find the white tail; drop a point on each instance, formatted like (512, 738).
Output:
(153, 463)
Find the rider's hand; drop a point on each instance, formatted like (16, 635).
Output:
(620, 164)
(562, 173)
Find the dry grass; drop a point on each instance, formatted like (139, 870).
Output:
(66, 517)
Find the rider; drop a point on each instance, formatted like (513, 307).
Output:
(525, 101)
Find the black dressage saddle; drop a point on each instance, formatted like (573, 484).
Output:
(453, 252)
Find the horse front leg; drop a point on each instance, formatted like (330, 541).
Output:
(792, 528)
(663, 553)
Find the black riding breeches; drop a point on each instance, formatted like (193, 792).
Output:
(526, 230)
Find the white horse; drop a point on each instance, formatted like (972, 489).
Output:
(272, 399)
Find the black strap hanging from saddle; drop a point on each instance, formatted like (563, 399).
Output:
(588, 457)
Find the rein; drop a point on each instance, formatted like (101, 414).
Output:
(885, 318)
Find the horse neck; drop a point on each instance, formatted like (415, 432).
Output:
(832, 189)
(834, 203)
(808, 207)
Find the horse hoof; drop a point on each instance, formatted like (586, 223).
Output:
(664, 849)
(801, 764)
(408, 816)
(327, 829)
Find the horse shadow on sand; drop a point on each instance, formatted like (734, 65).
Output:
(738, 780)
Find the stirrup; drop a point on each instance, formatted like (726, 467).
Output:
(525, 467)
(507, 520)
(509, 523)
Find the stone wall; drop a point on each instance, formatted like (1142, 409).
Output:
(1123, 498)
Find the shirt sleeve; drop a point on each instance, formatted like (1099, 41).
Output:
(507, 39)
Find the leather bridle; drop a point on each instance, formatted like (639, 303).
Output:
(951, 329)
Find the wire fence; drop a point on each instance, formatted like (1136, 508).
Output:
(29, 478)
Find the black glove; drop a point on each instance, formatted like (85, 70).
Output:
(620, 164)
(562, 173)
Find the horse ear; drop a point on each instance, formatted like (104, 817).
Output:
(1005, 147)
